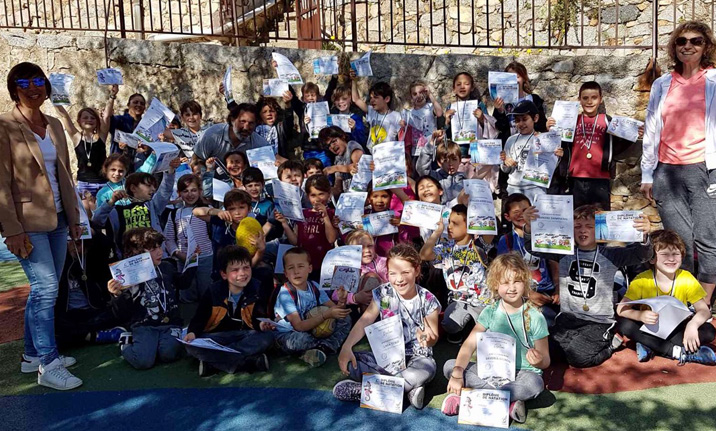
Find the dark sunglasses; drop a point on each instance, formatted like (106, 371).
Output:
(25, 83)
(695, 41)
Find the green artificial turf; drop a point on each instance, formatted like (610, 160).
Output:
(11, 276)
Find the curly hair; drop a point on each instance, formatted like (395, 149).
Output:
(511, 266)
(709, 57)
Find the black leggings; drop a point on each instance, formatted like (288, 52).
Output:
(631, 329)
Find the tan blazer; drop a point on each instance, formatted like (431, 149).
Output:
(26, 200)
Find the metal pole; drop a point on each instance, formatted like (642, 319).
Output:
(354, 26)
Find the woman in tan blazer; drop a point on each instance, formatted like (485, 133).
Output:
(38, 206)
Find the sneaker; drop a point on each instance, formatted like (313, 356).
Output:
(704, 356)
(30, 364)
(451, 405)
(205, 369)
(455, 338)
(417, 397)
(109, 336)
(125, 339)
(518, 411)
(56, 376)
(643, 353)
(256, 363)
(347, 390)
(314, 358)
(617, 342)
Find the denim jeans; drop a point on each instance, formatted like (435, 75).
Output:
(246, 342)
(43, 268)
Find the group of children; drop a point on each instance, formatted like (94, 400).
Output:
(442, 282)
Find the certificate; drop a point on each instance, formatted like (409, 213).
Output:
(617, 226)
(496, 355)
(228, 88)
(421, 214)
(129, 139)
(340, 120)
(61, 83)
(134, 270)
(154, 121)
(486, 151)
(625, 127)
(325, 65)
(378, 224)
(362, 65)
(185, 139)
(220, 189)
(541, 161)
(553, 231)
(347, 255)
(346, 277)
(671, 313)
(282, 249)
(565, 114)
(504, 85)
(275, 87)
(165, 152)
(110, 76)
(484, 407)
(207, 343)
(318, 113)
(361, 180)
(351, 206)
(286, 70)
(264, 159)
(287, 199)
(389, 161)
(481, 218)
(387, 344)
(463, 123)
(84, 220)
(384, 393)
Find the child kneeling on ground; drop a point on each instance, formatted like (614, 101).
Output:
(512, 314)
(686, 343)
(299, 329)
(418, 310)
(228, 314)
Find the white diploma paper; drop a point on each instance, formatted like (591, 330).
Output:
(287, 199)
(275, 87)
(286, 70)
(318, 113)
(347, 255)
(384, 393)
(361, 180)
(617, 226)
(541, 161)
(378, 224)
(421, 214)
(565, 114)
(325, 65)
(496, 355)
(110, 76)
(484, 407)
(134, 270)
(61, 84)
(387, 344)
(264, 159)
(481, 218)
(389, 161)
(504, 85)
(463, 123)
(486, 151)
(625, 127)
(553, 231)
(671, 313)
(362, 65)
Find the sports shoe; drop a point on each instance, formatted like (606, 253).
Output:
(451, 405)
(616, 343)
(643, 353)
(30, 364)
(455, 338)
(314, 357)
(125, 339)
(704, 356)
(109, 336)
(518, 411)
(256, 363)
(416, 396)
(347, 390)
(56, 376)
(205, 369)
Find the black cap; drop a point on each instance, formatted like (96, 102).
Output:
(525, 107)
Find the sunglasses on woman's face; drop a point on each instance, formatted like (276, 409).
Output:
(695, 41)
(25, 83)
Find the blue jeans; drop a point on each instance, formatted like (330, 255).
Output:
(43, 269)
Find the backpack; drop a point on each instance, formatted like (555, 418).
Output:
(294, 295)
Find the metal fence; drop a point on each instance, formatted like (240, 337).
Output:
(350, 24)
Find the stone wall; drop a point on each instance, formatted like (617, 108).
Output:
(176, 72)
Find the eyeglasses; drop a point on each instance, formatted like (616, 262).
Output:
(25, 83)
(695, 41)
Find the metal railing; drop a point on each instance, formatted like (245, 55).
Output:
(350, 24)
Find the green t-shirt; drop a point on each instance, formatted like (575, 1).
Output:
(494, 319)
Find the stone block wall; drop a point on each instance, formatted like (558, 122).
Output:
(175, 73)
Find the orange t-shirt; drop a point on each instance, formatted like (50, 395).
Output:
(683, 137)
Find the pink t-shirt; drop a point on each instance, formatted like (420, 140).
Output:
(684, 114)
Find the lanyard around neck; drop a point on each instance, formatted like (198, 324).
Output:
(526, 344)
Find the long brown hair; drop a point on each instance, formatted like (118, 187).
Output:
(521, 70)
(709, 57)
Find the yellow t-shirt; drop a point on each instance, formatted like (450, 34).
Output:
(686, 288)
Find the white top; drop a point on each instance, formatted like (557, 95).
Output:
(382, 127)
(49, 155)
(424, 117)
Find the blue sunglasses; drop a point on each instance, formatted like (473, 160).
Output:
(25, 83)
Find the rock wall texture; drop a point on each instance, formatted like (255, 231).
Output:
(175, 73)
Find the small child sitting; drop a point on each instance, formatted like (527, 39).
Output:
(447, 155)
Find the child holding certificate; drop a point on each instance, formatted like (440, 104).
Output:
(114, 168)
(347, 154)
(302, 327)
(384, 123)
(447, 154)
(276, 126)
(379, 201)
(518, 147)
(421, 117)
(418, 310)
(687, 342)
(150, 307)
(463, 265)
(342, 105)
(514, 315)
(584, 329)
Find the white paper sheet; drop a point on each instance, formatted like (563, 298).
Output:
(134, 270)
(378, 224)
(318, 113)
(671, 313)
(325, 65)
(496, 355)
(625, 127)
(362, 65)
(264, 159)
(361, 180)
(351, 206)
(347, 255)
(165, 153)
(553, 231)
(486, 151)
(340, 120)
(346, 277)
(565, 114)
(387, 344)
(484, 407)
(617, 226)
(130, 139)
(384, 393)
(110, 76)
(209, 344)
(481, 218)
(504, 85)
(220, 189)
(421, 214)
(154, 122)
(541, 161)
(463, 123)
(61, 86)
(286, 70)
(275, 87)
(389, 161)
(228, 87)
(287, 199)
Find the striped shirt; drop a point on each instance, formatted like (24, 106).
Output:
(177, 238)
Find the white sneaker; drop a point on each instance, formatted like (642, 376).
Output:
(56, 376)
(30, 364)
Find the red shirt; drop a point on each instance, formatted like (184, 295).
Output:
(312, 236)
(587, 135)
